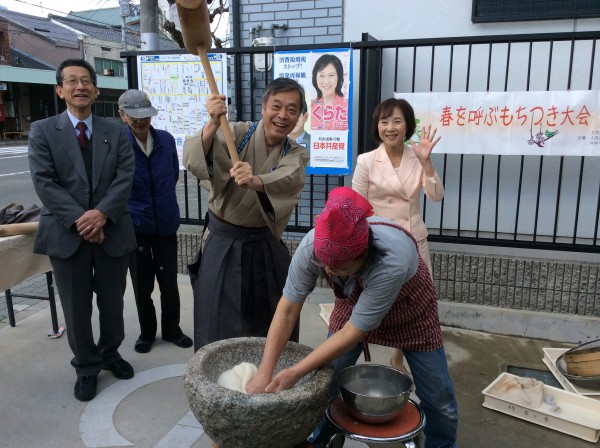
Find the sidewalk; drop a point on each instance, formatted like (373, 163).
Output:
(150, 410)
(13, 141)
(25, 307)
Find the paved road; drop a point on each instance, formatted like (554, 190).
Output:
(16, 185)
(15, 180)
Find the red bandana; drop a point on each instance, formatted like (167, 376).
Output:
(342, 230)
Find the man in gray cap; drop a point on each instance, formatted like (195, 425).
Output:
(155, 215)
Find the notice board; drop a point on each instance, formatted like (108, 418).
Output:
(178, 89)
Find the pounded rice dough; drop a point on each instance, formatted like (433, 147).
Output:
(238, 377)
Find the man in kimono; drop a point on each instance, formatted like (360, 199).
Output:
(239, 273)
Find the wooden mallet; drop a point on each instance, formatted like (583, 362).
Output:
(21, 228)
(195, 27)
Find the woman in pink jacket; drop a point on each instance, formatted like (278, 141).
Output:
(391, 176)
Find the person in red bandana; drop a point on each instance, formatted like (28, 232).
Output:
(384, 295)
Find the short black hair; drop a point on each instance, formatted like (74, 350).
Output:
(75, 63)
(284, 85)
(323, 62)
(386, 109)
(304, 108)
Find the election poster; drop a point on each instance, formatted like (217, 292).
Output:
(325, 124)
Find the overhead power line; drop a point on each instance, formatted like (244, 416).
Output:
(86, 19)
(70, 13)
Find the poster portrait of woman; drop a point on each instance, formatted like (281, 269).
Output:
(329, 110)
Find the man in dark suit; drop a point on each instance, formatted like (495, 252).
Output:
(82, 168)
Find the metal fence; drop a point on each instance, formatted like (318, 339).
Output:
(539, 202)
(542, 202)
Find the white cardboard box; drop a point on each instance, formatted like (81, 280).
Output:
(550, 357)
(326, 309)
(578, 416)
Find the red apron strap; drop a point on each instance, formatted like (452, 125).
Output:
(337, 320)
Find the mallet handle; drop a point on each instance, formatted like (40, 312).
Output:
(210, 77)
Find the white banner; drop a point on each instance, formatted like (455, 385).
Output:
(561, 123)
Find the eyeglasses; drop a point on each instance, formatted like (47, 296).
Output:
(85, 82)
(316, 262)
(138, 119)
(347, 269)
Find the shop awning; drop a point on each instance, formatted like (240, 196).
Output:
(37, 76)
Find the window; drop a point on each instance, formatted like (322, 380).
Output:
(109, 67)
(106, 104)
(516, 10)
(3, 49)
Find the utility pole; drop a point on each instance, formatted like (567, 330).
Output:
(149, 24)
(125, 11)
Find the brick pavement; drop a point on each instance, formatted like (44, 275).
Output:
(24, 307)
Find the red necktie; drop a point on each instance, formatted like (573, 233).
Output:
(82, 137)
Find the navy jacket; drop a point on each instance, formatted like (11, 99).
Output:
(153, 201)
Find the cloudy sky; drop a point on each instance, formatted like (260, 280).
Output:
(58, 7)
(62, 7)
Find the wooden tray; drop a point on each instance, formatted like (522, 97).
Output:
(584, 360)
(551, 355)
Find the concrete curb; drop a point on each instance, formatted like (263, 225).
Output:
(11, 142)
(530, 324)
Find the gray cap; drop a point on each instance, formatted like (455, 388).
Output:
(136, 104)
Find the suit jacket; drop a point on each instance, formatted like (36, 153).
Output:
(60, 180)
(396, 195)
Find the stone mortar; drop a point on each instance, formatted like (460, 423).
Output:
(237, 420)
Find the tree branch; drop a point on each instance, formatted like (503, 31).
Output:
(178, 37)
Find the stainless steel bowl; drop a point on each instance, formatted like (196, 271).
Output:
(374, 393)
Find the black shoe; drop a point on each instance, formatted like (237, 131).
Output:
(180, 341)
(85, 387)
(120, 369)
(143, 346)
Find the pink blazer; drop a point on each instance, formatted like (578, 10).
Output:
(396, 195)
